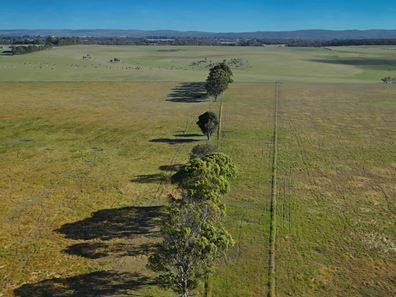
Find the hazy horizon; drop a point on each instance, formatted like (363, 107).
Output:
(167, 29)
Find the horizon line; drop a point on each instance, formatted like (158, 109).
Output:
(187, 31)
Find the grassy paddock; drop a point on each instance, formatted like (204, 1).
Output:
(336, 207)
(85, 166)
(75, 156)
(164, 63)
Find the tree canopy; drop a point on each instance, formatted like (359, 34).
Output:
(217, 82)
(194, 237)
(192, 242)
(223, 66)
(208, 123)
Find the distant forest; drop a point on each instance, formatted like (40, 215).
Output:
(27, 44)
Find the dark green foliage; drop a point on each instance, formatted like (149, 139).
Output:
(201, 150)
(217, 82)
(224, 66)
(208, 123)
(220, 76)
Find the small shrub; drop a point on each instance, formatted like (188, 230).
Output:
(202, 150)
(389, 80)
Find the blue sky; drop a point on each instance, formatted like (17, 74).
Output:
(202, 15)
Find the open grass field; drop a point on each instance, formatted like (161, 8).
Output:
(337, 172)
(86, 152)
(153, 63)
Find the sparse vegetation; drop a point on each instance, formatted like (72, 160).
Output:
(231, 63)
(389, 80)
(201, 150)
(87, 57)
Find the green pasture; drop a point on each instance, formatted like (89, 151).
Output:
(87, 149)
(164, 63)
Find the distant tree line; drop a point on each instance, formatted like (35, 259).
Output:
(39, 40)
(61, 41)
(27, 45)
(25, 49)
(336, 42)
(166, 40)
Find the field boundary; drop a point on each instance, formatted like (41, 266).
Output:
(272, 241)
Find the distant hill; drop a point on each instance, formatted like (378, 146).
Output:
(319, 35)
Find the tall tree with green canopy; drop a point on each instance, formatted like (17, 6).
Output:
(223, 66)
(193, 231)
(206, 178)
(192, 242)
(217, 82)
(208, 123)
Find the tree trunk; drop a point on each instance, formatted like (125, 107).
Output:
(206, 293)
(186, 292)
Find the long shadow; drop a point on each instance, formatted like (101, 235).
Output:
(173, 140)
(188, 135)
(370, 62)
(174, 167)
(100, 283)
(127, 222)
(96, 250)
(189, 92)
(150, 178)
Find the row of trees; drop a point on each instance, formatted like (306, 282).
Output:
(194, 236)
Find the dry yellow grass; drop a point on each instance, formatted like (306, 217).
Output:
(80, 182)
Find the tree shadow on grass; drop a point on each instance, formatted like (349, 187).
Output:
(99, 283)
(189, 92)
(150, 178)
(173, 140)
(174, 167)
(97, 250)
(188, 135)
(376, 63)
(127, 222)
